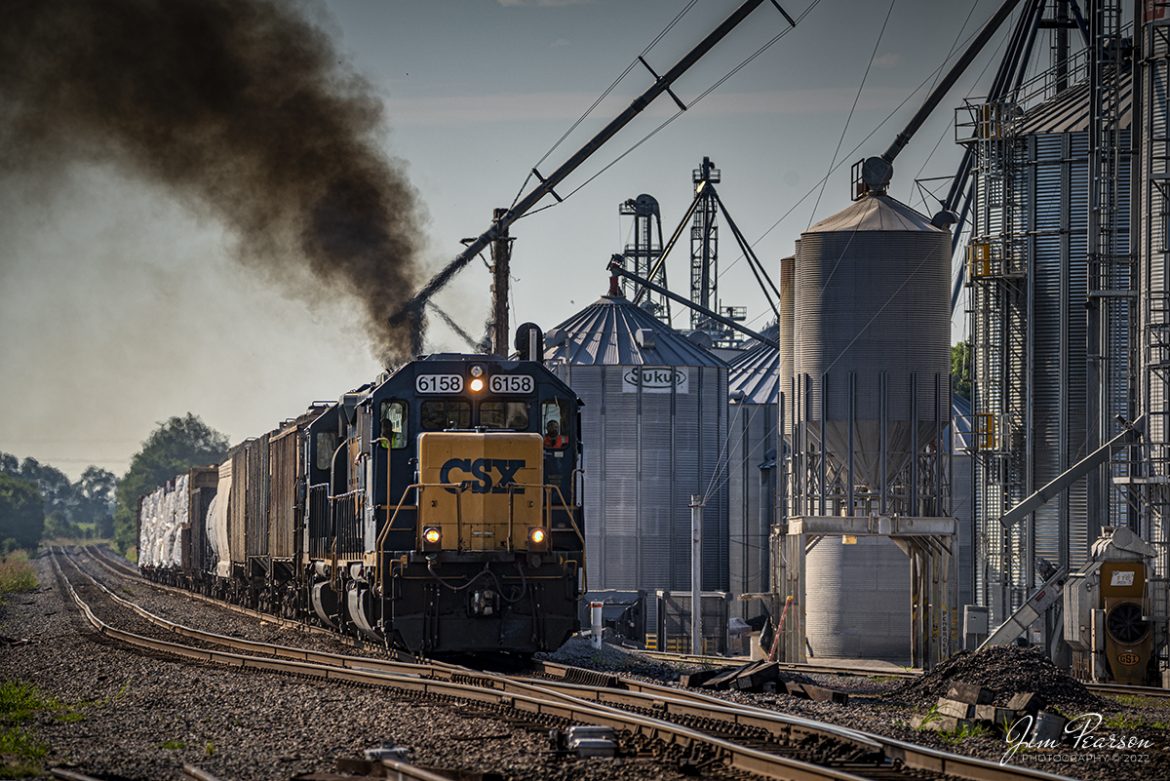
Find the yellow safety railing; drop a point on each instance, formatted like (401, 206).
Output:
(978, 259)
(985, 433)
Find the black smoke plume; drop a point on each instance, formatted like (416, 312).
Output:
(241, 108)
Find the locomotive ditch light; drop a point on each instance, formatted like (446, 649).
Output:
(431, 538)
(476, 385)
(537, 538)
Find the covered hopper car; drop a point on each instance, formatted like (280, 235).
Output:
(436, 511)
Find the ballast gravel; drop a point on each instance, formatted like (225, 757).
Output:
(143, 716)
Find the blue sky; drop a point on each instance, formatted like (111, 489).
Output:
(123, 305)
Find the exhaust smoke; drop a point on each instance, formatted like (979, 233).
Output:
(242, 110)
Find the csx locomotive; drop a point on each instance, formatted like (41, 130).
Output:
(437, 511)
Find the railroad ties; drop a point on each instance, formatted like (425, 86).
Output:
(683, 726)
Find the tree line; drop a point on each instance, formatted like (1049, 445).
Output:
(39, 502)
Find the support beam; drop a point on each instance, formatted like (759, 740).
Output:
(617, 270)
(1127, 437)
(410, 312)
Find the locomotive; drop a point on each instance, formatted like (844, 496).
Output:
(437, 511)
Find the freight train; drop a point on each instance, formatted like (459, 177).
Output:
(436, 511)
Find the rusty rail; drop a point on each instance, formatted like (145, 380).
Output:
(601, 704)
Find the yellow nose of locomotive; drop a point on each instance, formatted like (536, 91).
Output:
(481, 491)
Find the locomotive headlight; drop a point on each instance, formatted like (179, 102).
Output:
(537, 537)
(476, 371)
(431, 537)
(476, 385)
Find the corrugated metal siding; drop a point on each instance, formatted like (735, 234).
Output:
(646, 453)
(1047, 179)
(1078, 211)
(756, 374)
(1055, 181)
(750, 505)
(1069, 112)
(606, 334)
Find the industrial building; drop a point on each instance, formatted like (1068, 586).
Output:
(904, 521)
(656, 405)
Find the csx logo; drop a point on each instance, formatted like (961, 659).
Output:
(481, 480)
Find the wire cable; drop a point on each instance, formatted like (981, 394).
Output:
(718, 83)
(861, 143)
(852, 109)
(950, 53)
(613, 85)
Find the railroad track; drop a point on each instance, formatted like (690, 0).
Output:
(804, 667)
(745, 738)
(1108, 689)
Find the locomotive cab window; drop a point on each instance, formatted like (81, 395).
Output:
(440, 414)
(504, 414)
(326, 444)
(554, 424)
(393, 418)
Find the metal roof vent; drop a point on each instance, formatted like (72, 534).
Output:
(645, 338)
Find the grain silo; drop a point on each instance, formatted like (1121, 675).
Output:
(787, 290)
(1034, 412)
(871, 379)
(752, 467)
(654, 427)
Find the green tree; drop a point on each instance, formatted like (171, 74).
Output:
(55, 488)
(93, 497)
(961, 368)
(22, 512)
(174, 447)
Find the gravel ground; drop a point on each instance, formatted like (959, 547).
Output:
(142, 717)
(1004, 671)
(209, 618)
(885, 706)
(579, 651)
(880, 705)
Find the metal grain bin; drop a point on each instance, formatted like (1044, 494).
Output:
(871, 332)
(871, 380)
(754, 392)
(654, 428)
(1027, 290)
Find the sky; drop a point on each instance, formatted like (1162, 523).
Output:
(120, 306)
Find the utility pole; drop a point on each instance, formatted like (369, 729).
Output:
(697, 503)
(501, 269)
